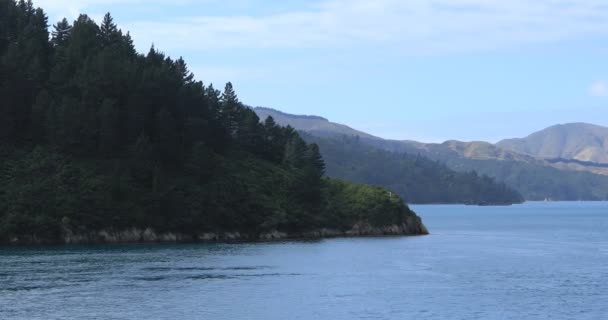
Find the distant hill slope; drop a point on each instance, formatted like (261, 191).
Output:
(534, 178)
(414, 178)
(479, 150)
(357, 156)
(321, 127)
(573, 141)
(316, 125)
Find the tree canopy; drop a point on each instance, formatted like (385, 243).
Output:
(94, 135)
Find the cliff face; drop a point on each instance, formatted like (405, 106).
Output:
(412, 226)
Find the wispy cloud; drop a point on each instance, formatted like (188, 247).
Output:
(416, 26)
(58, 9)
(70, 9)
(599, 89)
(306, 53)
(413, 26)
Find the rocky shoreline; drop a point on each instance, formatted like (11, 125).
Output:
(412, 226)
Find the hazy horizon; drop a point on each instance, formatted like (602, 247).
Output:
(425, 70)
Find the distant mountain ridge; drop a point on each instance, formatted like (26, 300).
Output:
(415, 178)
(312, 124)
(262, 110)
(322, 127)
(535, 177)
(353, 155)
(573, 141)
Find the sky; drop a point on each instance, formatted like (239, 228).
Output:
(426, 70)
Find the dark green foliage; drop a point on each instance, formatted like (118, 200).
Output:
(61, 33)
(24, 66)
(353, 203)
(415, 178)
(94, 136)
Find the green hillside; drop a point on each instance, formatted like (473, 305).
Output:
(101, 143)
(415, 178)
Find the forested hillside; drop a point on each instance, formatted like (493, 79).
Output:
(415, 178)
(357, 156)
(96, 136)
(534, 179)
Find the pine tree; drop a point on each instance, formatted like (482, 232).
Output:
(8, 15)
(273, 140)
(24, 68)
(129, 40)
(27, 7)
(270, 125)
(295, 152)
(213, 98)
(316, 161)
(229, 96)
(61, 33)
(109, 31)
(230, 112)
(182, 70)
(250, 135)
(95, 136)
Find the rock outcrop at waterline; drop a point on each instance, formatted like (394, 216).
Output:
(412, 226)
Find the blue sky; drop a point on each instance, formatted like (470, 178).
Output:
(427, 70)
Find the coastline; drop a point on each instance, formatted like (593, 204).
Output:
(412, 226)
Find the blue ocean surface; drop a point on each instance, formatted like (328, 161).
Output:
(531, 261)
